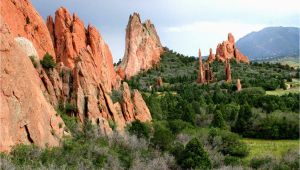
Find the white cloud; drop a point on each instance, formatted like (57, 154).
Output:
(213, 28)
(204, 35)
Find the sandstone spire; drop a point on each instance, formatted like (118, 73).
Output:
(238, 85)
(142, 47)
(201, 73)
(211, 56)
(228, 70)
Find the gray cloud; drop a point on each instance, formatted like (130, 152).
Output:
(111, 18)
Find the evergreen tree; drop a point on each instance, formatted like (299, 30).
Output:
(194, 156)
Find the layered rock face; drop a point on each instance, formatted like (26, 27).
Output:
(142, 47)
(227, 50)
(25, 115)
(24, 21)
(70, 37)
(84, 76)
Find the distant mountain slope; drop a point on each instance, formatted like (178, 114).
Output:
(270, 42)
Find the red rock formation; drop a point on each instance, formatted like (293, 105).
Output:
(142, 112)
(71, 37)
(227, 50)
(24, 21)
(143, 46)
(159, 82)
(238, 85)
(25, 114)
(84, 76)
(211, 56)
(201, 72)
(209, 75)
(228, 71)
(135, 109)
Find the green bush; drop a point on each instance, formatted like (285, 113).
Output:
(116, 96)
(258, 162)
(232, 160)
(69, 107)
(218, 121)
(231, 143)
(48, 61)
(112, 124)
(33, 61)
(162, 137)
(141, 130)
(194, 156)
(25, 155)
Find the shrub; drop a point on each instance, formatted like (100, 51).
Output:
(25, 155)
(178, 125)
(141, 130)
(69, 107)
(218, 120)
(33, 61)
(232, 160)
(258, 162)
(112, 124)
(116, 96)
(231, 143)
(48, 61)
(162, 137)
(194, 156)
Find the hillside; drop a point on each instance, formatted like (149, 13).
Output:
(270, 42)
(292, 61)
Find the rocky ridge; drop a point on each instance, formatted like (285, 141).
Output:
(83, 77)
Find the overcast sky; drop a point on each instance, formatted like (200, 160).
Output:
(183, 25)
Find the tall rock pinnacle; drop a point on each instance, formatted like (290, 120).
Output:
(201, 74)
(142, 47)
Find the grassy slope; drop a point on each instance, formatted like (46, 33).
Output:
(291, 61)
(276, 148)
(295, 88)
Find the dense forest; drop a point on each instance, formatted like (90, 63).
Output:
(195, 126)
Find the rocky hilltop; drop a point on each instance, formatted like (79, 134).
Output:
(83, 77)
(142, 47)
(227, 50)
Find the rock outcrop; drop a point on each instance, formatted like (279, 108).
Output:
(211, 56)
(70, 37)
(227, 71)
(205, 73)
(201, 75)
(25, 115)
(84, 77)
(142, 47)
(227, 50)
(159, 82)
(238, 85)
(24, 21)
